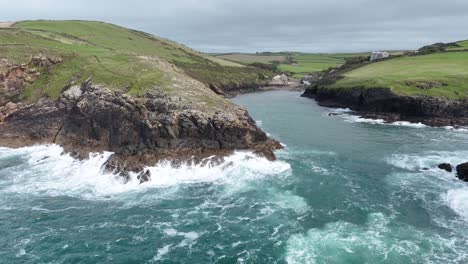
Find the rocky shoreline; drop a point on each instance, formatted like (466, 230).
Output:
(139, 130)
(382, 103)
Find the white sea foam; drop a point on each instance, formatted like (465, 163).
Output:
(428, 159)
(454, 193)
(375, 242)
(358, 119)
(161, 252)
(460, 129)
(341, 110)
(52, 173)
(350, 118)
(457, 199)
(407, 124)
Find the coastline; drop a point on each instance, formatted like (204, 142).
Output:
(141, 131)
(382, 103)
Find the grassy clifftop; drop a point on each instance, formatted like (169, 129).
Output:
(119, 58)
(441, 75)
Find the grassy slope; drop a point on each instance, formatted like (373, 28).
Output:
(402, 74)
(117, 57)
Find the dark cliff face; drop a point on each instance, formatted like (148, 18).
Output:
(140, 131)
(383, 103)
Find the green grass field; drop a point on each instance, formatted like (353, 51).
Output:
(304, 63)
(309, 63)
(252, 58)
(117, 57)
(406, 75)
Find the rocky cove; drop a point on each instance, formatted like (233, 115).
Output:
(140, 131)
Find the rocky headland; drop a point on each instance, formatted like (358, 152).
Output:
(140, 131)
(143, 98)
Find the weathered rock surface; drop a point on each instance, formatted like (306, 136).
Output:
(383, 103)
(462, 171)
(14, 77)
(140, 130)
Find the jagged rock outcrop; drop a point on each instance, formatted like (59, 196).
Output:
(140, 130)
(14, 77)
(445, 166)
(383, 103)
(462, 171)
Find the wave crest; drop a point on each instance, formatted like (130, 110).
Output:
(45, 170)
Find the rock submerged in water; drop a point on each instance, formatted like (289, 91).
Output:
(445, 166)
(462, 171)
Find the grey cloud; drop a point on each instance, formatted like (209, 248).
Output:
(258, 25)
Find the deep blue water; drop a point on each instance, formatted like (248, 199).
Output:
(344, 190)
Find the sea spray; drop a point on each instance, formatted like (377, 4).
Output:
(55, 173)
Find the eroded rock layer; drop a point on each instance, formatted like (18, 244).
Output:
(140, 130)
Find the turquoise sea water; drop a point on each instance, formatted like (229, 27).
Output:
(344, 190)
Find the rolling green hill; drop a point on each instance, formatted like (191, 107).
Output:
(119, 58)
(442, 74)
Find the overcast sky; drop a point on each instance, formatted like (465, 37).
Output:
(268, 25)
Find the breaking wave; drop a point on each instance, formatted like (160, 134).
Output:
(46, 170)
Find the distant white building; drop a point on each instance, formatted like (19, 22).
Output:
(378, 55)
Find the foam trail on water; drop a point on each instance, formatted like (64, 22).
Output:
(454, 192)
(348, 116)
(358, 119)
(351, 118)
(428, 159)
(377, 241)
(460, 129)
(52, 173)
